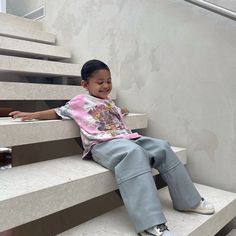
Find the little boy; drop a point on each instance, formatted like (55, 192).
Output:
(108, 141)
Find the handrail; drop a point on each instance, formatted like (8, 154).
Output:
(215, 8)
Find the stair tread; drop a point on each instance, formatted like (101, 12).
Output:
(33, 91)
(10, 30)
(232, 233)
(19, 21)
(51, 186)
(11, 46)
(38, 67)
(18, 180)
(182, 224)
(48, 130)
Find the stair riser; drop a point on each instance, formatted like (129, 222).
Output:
(11, 46)
(30, 91)
(38, 67)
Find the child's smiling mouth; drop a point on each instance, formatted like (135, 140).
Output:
(105, 91)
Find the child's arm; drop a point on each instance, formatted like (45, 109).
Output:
(41, 115)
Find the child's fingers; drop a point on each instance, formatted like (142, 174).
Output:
(25, 116)
(13, 113)
(18, 114)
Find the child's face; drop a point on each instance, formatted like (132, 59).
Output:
(99, 85)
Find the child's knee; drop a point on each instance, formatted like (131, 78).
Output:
(135, 159)
(164, 144)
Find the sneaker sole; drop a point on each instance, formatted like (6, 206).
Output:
(204, 212)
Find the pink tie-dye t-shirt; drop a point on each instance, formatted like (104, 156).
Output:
(99, 120)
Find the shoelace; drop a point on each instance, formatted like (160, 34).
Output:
(203, 202)
(162, 227)
(157, 230)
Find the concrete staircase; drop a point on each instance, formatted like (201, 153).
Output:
(31, 191)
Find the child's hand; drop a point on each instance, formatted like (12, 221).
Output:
(124, 111)
(23, 115)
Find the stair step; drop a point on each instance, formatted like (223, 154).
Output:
(116, 222)
(29, 66)
(18, 47)
(31, 91)
(33, 191)
(48, 130)
(19, 22)
(26, 34)
(232, 233)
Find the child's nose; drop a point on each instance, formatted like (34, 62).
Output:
(105, 85)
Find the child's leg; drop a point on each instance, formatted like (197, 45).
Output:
(132, 170)
(183, 192)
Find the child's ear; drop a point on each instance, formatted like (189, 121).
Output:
(84, 83)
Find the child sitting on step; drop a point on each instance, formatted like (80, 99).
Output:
(108, 141)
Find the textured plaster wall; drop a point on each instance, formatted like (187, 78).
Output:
(171, 60)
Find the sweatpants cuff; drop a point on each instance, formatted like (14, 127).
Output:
(150, 221)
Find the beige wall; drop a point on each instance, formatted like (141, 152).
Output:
(170, 59)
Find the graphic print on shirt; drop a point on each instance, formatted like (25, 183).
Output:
(107, 118)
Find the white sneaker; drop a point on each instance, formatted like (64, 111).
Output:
(160, 230)
(204, 207)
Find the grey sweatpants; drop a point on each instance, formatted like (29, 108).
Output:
(131, 161)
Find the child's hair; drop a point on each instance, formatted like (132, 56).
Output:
(90, 67)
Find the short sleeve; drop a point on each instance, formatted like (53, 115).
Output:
(64, 111)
